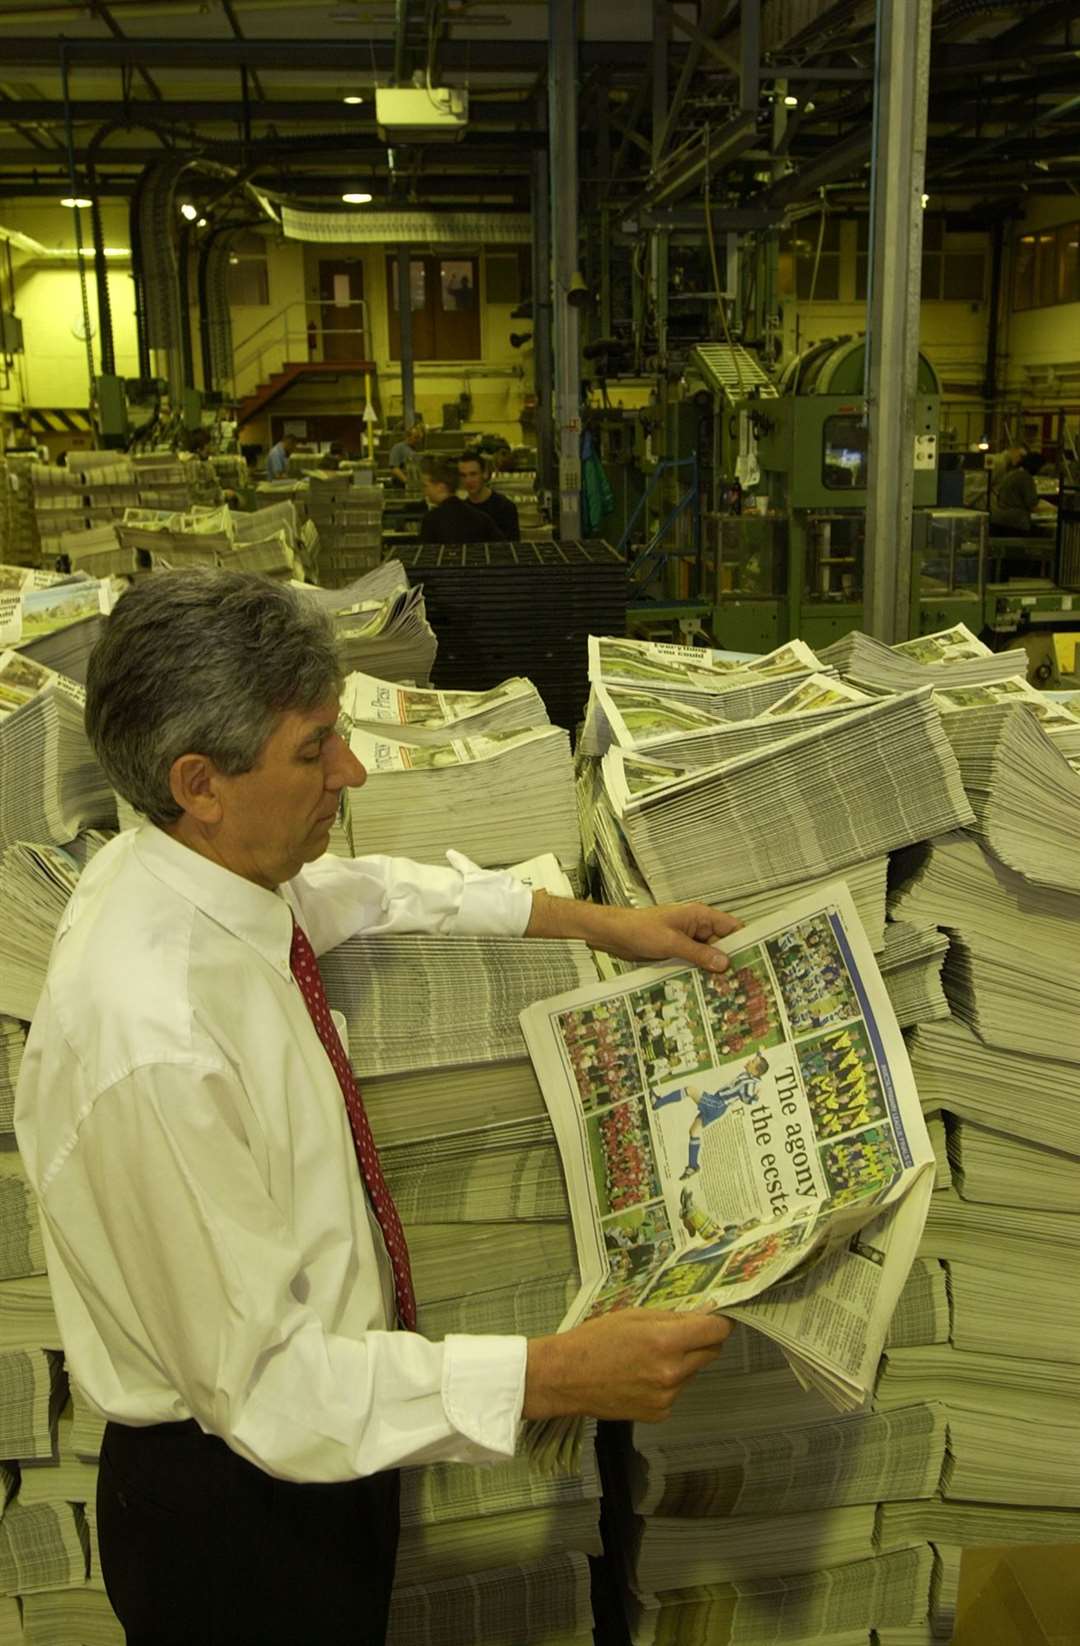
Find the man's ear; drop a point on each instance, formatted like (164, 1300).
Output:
(195, 783)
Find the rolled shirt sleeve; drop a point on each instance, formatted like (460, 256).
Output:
(217, 1283)
(335, 898)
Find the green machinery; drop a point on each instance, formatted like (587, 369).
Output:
(790, 560)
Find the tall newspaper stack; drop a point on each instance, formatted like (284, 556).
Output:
(348, 518)
(19, 543)
(381, 625)
(50, 1585)
(848, 1529)
(175, 481)
(492, 1554)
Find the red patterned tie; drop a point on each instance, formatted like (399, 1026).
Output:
(306, 971)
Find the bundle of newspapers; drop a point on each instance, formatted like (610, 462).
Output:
(381, 625)
(425, 717)
(955, 653)
(51, 785)
(496, 796)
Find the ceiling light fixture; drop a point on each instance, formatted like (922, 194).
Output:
(791, 101)
(200, 223)
(188, 210)
(925, 201)
(75, 200)
(352, 99)
(356, 199)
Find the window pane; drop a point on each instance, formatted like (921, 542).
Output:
(1068, 263)
(456, 285)
(846, 453)
(417, 282)
(862, 276)
(826, 287)
(931, 275)
(964, 277)
(933, 233)
(1045, 268)
(1024, 276)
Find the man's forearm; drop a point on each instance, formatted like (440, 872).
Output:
(568, 917)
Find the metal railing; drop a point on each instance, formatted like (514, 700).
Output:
(292, 328)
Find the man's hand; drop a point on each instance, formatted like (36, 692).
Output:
(625, 1366)
(670, 931)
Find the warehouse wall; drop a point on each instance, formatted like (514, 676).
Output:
(953, 335)
(1042, 345)
(53, 370)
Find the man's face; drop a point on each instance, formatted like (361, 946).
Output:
(432, 490)
(278, 816)
(472, 477)
(413, 437)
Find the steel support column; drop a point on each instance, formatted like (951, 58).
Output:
(563, 152)
(658, 240)
(404, 286)
(541, 318)
(901, 85)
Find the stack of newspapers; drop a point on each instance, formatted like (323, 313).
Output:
(381, 625)
(19, 542)
(836, 1526)
(491, 1554)
(497, 796)
(415, 715)
(51, 785)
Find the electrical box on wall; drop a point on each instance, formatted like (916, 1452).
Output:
(11, 338)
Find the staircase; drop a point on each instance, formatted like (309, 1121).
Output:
(292, 372)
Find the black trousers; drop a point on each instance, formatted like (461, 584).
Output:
(200, 1548)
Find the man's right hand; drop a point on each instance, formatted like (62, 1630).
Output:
(629, 1365)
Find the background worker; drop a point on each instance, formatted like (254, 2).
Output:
(405, 456)
(1018, 498)
(450, 519)
(277, 461)
(475, 472)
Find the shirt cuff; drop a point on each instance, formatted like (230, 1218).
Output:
(493, 903)
(483, 1389)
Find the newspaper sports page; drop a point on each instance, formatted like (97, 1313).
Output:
(725, 1132)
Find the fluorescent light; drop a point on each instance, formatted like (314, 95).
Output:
(791, 101)
(353, 99)
(188, 210)
(356, 199)
(75, 200)
(200, 223)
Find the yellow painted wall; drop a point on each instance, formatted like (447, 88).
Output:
(1042, 346)
(952, 335)
(53, 370)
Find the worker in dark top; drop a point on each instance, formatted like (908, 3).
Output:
(450, 519)
(475, 471)
(1017, 498)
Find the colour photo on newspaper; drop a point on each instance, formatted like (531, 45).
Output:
(722, 1133)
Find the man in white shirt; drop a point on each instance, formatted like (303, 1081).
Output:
(224, 1290)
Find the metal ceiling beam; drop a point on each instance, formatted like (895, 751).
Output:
(368, 57)
(846, 156)
(238, 34)
(94, 111)
(101, 10)
(686, 171)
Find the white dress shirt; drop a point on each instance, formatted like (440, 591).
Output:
(209, 1242)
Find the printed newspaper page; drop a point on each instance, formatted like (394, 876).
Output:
(721, 1131)
(380, 702)
(379, 754)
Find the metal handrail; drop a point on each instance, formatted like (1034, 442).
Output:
(281, 338)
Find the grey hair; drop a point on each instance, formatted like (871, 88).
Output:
(201, 662)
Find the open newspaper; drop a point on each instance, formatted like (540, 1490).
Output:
(749, 1142)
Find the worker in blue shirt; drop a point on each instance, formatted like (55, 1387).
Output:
(277, 462)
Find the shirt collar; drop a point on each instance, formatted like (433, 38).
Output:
(255, 915)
